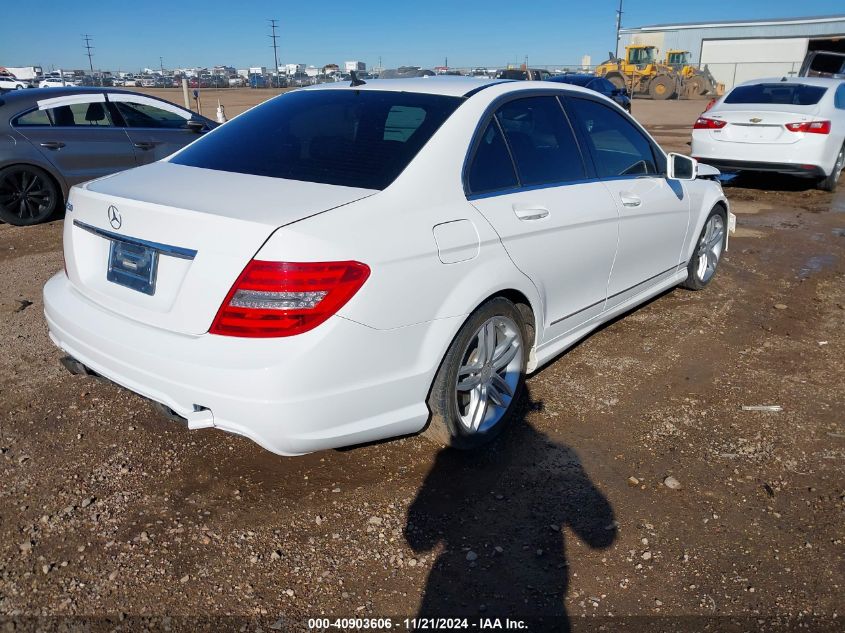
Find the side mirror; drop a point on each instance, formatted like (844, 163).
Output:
(681, 167)
(197, 127)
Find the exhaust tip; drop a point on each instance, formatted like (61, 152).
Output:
(75, 367)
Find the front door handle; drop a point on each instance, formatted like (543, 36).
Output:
(530, 212)
(630, 200)
(53, 145)
(145, 145)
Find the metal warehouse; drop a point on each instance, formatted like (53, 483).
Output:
(740, 50)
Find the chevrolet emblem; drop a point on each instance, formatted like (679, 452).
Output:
(755, 120)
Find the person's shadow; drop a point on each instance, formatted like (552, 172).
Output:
(500, 516)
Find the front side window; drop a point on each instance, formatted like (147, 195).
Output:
(618, 147)
(491, 168)
(541, 141)
(145, 115)
(354, 138)
(81, 115)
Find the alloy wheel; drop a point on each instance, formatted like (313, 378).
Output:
(489, 374)
(26, 195)
(710, 247)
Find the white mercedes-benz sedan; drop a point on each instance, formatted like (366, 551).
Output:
(791, 126)
(349, 263)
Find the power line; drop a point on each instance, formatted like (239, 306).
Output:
(88, 49)
(274, 37)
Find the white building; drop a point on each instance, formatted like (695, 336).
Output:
(356, 66)
(292, 69)
(740, 50)
(312, 71)
(258, 70)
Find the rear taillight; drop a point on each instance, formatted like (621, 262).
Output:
(810, 127)
(703, 123)
(272, 299)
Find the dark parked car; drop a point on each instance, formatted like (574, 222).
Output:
(524, 74)
(600, 85)
(54, 138)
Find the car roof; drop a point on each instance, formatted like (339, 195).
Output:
(449, 85)
(827, 82)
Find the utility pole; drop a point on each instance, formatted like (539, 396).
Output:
(161, 64)
(88, 49)
(618, 27)
(274, 37)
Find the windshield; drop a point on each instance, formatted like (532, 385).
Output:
(354, 138)
(780, 93)
(641, 55)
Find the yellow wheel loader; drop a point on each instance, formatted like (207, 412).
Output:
(641, 73)
(696, 82)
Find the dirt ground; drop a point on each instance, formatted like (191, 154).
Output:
(121, 519)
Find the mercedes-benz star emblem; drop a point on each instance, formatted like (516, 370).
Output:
(114, 217)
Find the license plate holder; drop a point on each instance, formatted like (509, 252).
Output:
(133, 265)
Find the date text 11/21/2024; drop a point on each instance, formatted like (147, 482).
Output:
(416, 624)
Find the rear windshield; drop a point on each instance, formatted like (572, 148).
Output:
(782, 93)
(355, 138)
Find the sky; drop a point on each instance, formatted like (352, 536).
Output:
(468, 33)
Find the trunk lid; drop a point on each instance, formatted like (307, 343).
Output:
(162, 244)
(760, 123)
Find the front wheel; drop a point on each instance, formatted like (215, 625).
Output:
(661, 87)
(479, 382)
(708, 251)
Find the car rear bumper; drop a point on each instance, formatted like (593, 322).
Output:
(807, 170)
(340, 384)
(811, 156)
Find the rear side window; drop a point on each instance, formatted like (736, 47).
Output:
(491, 168)
(34, 118)
(541, 141)
(354, 138)
(617, 146)
(839, 97)
(779, 93)
(92, 114)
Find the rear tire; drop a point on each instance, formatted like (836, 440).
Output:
(708, 250)
(478, 384)
(28, 195)
(829, 182)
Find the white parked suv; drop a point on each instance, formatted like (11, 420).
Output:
(348, 263)
(793, 126)
(9, 82)
(55, 82)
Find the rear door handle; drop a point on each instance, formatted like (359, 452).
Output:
(53, 145)
(630, 200)
(530, 212)
(145, 145)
